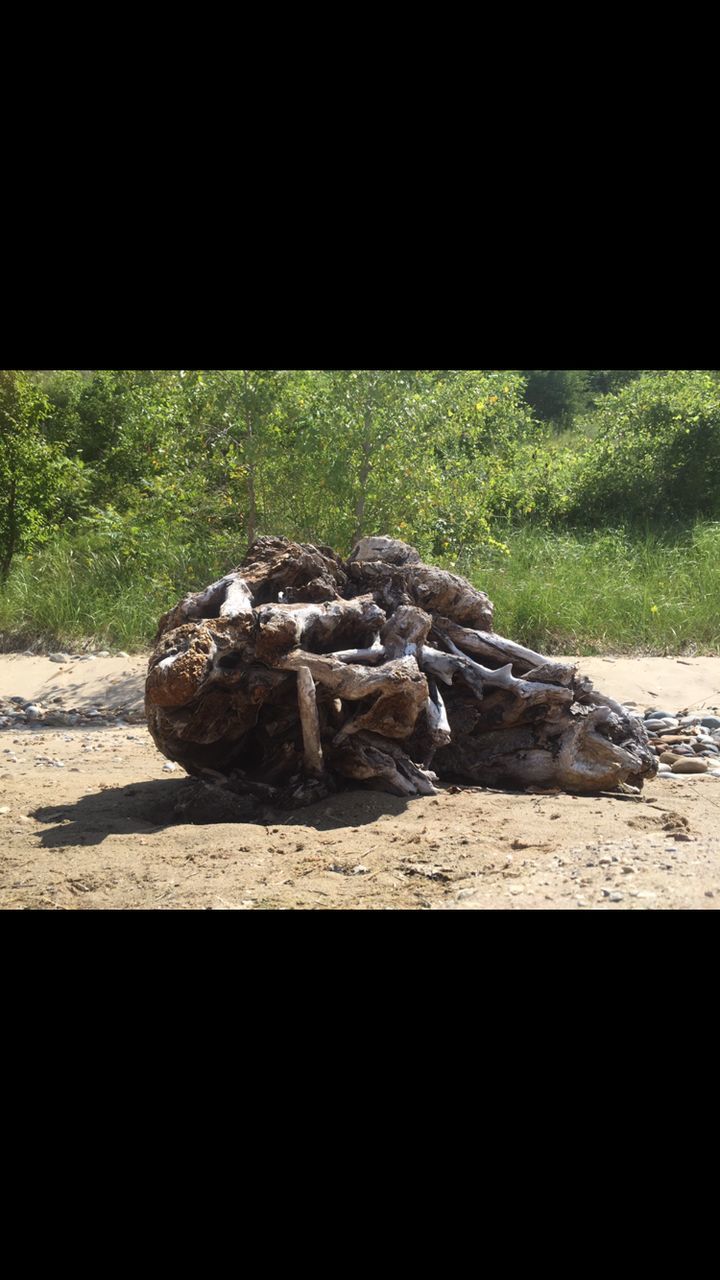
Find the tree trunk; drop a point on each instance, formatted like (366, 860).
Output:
(12, 533)
(365, 469)
(250, 463)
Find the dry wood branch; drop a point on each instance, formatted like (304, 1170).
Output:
(487, 644)
(310, 722)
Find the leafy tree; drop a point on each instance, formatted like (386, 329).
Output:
(32, 471)
(234, 424)
(656, 451)
(416, 454)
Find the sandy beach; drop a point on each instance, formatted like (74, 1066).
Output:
(91, 818)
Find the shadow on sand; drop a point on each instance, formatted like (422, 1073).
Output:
(145, 807)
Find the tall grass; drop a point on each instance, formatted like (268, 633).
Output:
(610, 591)
(613, 591)
(86, 593)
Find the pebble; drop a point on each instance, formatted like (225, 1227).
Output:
(58, 657)
(34, 712)
(4, 808)
(104, 653)
(689, 766)
(169, 767)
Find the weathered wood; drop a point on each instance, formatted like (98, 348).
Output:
(321, 627)
(438, 723)
(486, 644)
(399, 687)
(445, 666)
(369, 758)
(397, 578)
(310, 722)
(299, 670)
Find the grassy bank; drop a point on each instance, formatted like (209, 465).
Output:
(90, 593)
(603, 592)
(609, 591)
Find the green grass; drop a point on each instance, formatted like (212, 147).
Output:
(611, 591)
(86, 593)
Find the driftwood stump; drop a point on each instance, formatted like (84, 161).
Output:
(299, 670)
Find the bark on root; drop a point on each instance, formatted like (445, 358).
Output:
(298, 671)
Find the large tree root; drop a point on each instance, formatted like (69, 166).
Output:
(297, 671)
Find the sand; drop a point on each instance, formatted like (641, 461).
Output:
(87, 821)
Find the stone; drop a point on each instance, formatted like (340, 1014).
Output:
(34, 712)
(711, 722)
(58, 657)
(690, 766)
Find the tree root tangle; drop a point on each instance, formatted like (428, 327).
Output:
(299, 671)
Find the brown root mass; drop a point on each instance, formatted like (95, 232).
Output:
(299, 670)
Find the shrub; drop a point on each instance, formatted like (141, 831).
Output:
(656, 452)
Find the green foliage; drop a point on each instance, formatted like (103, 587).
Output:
(122, 489)
(656, 452)
(34, 475)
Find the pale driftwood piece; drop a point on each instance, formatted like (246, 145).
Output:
(438, 723)
(389, 550)
(445, 666)
(310, 723)
(229, 597)
(238, 599)
(282, 627)
(399, 686)
(487, 644)
(373, 655)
